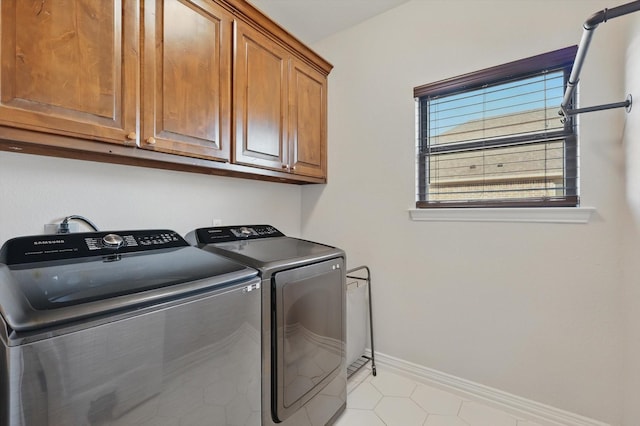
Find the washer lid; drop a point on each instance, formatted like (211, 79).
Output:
(277, 249)
(68, 284)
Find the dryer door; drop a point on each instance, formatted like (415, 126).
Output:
(309, 333)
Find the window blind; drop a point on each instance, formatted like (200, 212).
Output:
(498, 144)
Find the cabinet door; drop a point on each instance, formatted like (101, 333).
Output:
(187, 78)
(70, 67)
(308, 121)
(260, 100)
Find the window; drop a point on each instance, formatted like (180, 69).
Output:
(494, 138)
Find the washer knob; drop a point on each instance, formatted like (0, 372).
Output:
(112, 241)
(245, 231)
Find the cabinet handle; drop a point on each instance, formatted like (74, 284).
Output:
(293, 168)
(132, 136)
(285, 166)
(151, 140)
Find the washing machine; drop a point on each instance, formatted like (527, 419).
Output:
(124, 328)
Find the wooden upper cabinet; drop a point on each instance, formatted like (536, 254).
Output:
(308, 120)
(280, 107)
(260, 100)
(70, 67)
(186, 81)
(212, 86)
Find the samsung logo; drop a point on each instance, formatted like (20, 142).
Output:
(39, 243)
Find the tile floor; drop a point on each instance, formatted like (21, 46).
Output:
(392, 400)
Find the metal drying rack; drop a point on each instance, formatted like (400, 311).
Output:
(363, 359)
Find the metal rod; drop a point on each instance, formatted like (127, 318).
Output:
(606, 14)
(589, 26)
(577, 67)
(625, 104)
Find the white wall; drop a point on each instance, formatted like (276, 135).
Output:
(36, 190)
(631, 242)
(531, 309)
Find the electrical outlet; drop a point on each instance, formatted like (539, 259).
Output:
(52, 228)
(217, 222)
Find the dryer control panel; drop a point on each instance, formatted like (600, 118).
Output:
(223, 234)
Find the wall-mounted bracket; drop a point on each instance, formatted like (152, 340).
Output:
(589, 27)
(565, 113)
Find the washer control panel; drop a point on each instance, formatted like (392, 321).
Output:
(143, 240)
(223, 234)
(42, 248)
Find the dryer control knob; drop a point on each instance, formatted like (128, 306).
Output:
(245, 231)
(112, 241)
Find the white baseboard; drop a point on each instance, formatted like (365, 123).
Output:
(526, 408)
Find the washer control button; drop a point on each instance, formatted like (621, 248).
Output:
(112, 241)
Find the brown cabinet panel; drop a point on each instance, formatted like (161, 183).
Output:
(260, 100)
(308, 121)
(69, 67)
(212, 86)
(187, 78)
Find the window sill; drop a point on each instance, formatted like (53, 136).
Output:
(529, 215)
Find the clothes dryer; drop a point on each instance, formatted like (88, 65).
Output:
(303, 320)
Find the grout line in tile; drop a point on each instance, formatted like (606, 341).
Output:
(416, 384)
